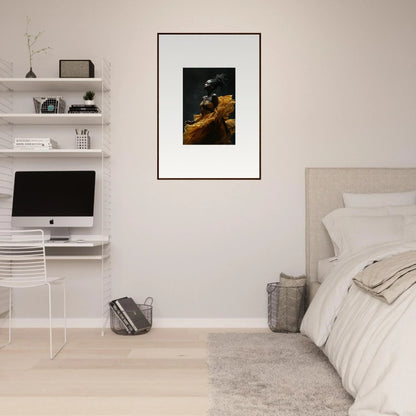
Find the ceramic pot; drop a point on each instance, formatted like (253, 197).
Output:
(30, 74)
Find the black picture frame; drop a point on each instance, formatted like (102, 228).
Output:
(162, 136)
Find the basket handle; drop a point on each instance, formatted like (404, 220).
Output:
(148, 301)
(271, 287)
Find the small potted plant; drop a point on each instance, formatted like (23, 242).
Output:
(89, 98)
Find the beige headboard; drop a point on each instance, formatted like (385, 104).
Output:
(324, 188)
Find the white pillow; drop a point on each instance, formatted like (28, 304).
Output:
(356, 233)
(331, 220)
(379, 200)
(410, 228)
(409, 210)
(325, 266)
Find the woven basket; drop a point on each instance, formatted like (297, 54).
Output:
(286, 303)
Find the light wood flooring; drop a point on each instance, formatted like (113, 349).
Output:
(162, 373)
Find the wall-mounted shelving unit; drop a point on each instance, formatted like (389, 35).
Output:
(96, 248)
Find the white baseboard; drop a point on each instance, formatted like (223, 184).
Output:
(157, 323)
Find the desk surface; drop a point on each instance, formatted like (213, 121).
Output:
(76, 243)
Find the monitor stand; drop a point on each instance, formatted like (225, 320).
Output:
(60, 234)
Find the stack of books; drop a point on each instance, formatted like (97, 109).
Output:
(34, 143)
(130, 315)
(83, 108)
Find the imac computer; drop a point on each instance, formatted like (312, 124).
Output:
(55, 200)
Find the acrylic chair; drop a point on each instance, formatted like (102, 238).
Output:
(23, 265)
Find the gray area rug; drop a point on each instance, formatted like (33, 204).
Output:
(272, 374)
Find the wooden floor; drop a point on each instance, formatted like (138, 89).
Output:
(161, 373)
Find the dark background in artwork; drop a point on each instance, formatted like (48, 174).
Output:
(193, 89)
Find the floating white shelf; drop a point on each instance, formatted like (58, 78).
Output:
(92, 153)
(52, 119)
(51, 84)
(67, 244)
(63, 258)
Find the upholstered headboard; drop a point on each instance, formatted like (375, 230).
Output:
(324, 188)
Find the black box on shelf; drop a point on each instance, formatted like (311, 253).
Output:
(82, 108)
(76, 68)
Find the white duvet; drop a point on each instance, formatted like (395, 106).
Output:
(370, 343)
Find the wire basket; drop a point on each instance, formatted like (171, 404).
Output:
(286, 304)
(118, 327)
(49, 105)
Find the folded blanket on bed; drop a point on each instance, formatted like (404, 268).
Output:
(389, 278)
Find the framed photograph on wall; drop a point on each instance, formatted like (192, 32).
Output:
(209, 104)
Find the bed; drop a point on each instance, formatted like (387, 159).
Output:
(371, 344)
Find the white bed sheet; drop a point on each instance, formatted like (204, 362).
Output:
(325, 266)
(371, 344)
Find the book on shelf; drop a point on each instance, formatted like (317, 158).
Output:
(83, 108)
(33, 147)
(121, 317)
(133, 314)
(35, 143)
(34, 140)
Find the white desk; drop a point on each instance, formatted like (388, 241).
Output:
(78, 249)
(71, 243)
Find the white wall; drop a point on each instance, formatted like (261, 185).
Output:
(338, 89)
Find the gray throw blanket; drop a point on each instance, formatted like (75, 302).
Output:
(389, 278)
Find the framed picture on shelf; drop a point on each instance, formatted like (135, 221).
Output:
(209, 106)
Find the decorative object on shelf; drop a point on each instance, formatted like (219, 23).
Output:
(34, 143)
(89, 98)
(49, 105)
(82, 139)
(205, 131)
(31, 41)
(30, 74)
(82, 108)
(76, 68)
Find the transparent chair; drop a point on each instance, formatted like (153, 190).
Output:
(23, 265)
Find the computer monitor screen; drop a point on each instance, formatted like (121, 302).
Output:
(53, 198)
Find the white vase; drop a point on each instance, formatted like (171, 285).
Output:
(89, 102)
